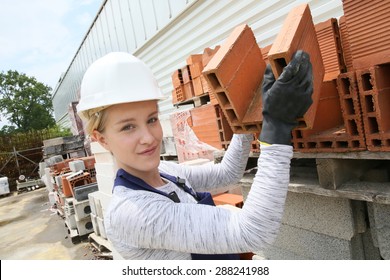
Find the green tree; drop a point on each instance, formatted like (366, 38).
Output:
(25, 102)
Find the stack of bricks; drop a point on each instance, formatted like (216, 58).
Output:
(341, 130)
(189, 82)
(368, 28)
(209, 126)
(351, 98)
(351, 94)
(188, 145)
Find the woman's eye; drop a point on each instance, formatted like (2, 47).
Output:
(127, 127)
(153, 120)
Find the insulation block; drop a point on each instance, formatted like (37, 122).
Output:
(234, 75)
(345, 44)
(328, 36)
(298, 33)
(374, 90)
(177, 78)
(368, 31)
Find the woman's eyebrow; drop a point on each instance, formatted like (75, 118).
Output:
(125, 120)
(133, 119)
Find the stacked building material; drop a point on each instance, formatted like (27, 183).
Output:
(350, 58)
(234, 75)
(374, 89)
(337, 125)
(368, 28)
(298, 33)
(188, 81)
(368, 25)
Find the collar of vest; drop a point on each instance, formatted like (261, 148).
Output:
(127, 180)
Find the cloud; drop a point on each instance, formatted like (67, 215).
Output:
(41, 37)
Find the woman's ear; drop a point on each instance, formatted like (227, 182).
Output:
(98, 136)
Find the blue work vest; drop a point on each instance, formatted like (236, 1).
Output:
(129, 181)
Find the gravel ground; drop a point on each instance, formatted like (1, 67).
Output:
(31, 230)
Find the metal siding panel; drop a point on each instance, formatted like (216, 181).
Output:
(106, 32)
(163, 14)
(177, 6)
(102, 40)
(121, 33)
(128, 25)
(112, 29)
(149, 17)
(138, 22)
(95, 39)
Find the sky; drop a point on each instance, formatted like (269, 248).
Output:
(40, 37)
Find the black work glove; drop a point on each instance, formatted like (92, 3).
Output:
(286, 99)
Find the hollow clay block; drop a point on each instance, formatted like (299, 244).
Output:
(298, 33)
(235, 72)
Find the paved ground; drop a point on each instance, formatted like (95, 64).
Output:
(30, 230)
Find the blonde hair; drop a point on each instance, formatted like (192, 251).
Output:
(94, 119)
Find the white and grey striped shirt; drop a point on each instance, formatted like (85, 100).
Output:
(145, 225)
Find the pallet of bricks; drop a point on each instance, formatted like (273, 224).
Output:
(346, 131)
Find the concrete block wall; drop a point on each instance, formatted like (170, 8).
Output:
(322, 228)
(379, 219)
(106, 169)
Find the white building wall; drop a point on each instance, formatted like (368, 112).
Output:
(163, 33)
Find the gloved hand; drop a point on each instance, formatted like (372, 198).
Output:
(286, 99)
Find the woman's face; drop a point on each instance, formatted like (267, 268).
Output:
(133, 134)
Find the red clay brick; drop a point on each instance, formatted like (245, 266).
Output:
(198, 87)
(328, 132)
(177, 78)
(234, 75)
(178, 94)
(188, 90)
(194, 59)
(298, 33)
(208, 54)
(195, 70)
(368, 25)
(225, 131)
(335, 130)
(350, 103)
(374, 89)
(333, 140)
(328, 36)
(186, 74)
(264, 52)
(345, 44)
(205, 126)
(187, 145)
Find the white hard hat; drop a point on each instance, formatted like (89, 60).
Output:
(117, 77)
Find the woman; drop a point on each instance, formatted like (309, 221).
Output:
(162, 210)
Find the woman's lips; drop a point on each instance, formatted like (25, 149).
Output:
(148, 152)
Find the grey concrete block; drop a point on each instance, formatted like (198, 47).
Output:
(325, 215)
(296, 243)
(371, 252)
(332, 173)
(379, 215)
